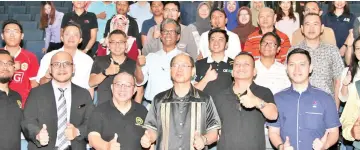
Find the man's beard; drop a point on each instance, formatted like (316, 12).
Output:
(5, 79)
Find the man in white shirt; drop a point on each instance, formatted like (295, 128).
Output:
(270, 73)
(218, 19)
(155, 67)
(71, 37)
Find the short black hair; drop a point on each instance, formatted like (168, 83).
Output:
(311, 14)
(192, 62)
(278, 40)
(73, 24)
(299, 51)
(243, 53)
(217, 9)
(5, 52)
(173, 2)
(151, 2)
(12, 21)
(129, 2)
(118, 32)
(318, 5)
(218, 30)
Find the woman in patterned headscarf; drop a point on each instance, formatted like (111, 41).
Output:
(121, 22)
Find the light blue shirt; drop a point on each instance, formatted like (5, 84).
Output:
(140, 13)
(97, 8)
(156, 72)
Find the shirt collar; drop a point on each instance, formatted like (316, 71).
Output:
(260, 31)
(132, 108)
(211, 60)
(172, 52)
(308, 89)
(55, 86)
(17, 53)
(192, 93)
(303, 43)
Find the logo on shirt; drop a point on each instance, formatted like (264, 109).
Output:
(347, 19)
(19, 103)
(24, 66)
(314, 104)
(138, 121)
(18, 76)
(86, 21)
(227, 70)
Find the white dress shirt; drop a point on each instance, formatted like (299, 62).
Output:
(156, 72)
(275, 78)
(67, 94)
(82, 63)
(234, 46)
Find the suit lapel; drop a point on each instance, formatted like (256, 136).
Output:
(74, 103)
(51, 101)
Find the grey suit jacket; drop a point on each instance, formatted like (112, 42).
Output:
(40, 108)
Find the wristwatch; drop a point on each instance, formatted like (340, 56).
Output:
(261, 105)
(104, 73)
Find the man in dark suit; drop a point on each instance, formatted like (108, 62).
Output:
(56, 113)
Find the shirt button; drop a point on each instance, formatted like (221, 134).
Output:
(180, 136)
(299, 141)
(181, 123)
(180, 148)
(181, 111)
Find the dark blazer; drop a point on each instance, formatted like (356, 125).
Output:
(40, 108)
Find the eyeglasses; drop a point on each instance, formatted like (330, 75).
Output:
(272, 45)
(123, 85)
(6, 64)
(121, 43)
(171, 32)
(65, 64)
(171, 10)
(181, 66)
(9, 31)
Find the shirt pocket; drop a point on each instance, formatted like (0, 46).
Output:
(313, 120)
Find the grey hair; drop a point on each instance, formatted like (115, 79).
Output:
(170, 21)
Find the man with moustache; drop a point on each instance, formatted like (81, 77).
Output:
(10, 112)
(56, 114)
(117, 123)
(181, 117)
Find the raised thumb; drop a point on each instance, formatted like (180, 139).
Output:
(287, 142)
(324, 138)
(115, 138)
(44, 127)
(139, 51)
(112, 61)
(210, 67)
(196, 134)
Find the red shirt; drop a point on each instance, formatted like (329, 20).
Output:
(29, 67)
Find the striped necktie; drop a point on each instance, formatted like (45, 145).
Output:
(61, 141)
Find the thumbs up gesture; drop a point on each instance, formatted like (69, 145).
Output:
(141, 61)
(112, 69)
(71, 132)
(43, 136)
(319, 144)
(287, 145)
(355, 131)
(199, 142)
(211, 74)
(249, 100)
(114, 144)
(145, 140)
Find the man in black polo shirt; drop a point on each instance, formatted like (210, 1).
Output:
(117, 124)
(88, 23)
(10, 104)
(106, 67)
(243, 108)
(213, 74)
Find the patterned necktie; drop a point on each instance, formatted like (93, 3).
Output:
(61, 141)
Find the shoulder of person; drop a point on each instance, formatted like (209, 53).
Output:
(140, 107)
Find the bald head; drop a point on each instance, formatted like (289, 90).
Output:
(183, 57)
(266, 18)
(61, 56)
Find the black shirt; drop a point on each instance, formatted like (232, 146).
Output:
(108, 120)
(10, 120)
(87, 21)
(223, 68)
(242, 129)
(103, 62)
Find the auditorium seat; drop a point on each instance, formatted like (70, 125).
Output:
(4, 16)
(62, 9)
(31, 25)
(16, 10)
(35, 47)
(22, 17)
(33, 35)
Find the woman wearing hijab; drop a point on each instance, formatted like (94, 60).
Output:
(231, 10)
(121, 22)
(202, 23)
(245, 26)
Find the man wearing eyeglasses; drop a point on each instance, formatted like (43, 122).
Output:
(270, 73)
(71, 37)
(186, 42)
(181, 117)
(155, 67)
(117, 123)
(56, 114)
(26, 63)
(243, 108)
(10, 101)
(106, 67)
